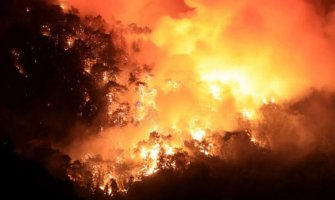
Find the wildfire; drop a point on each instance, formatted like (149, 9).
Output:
(216, 69)
(198, 134)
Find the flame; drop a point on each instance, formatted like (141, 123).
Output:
(212, 69)
(198, 134)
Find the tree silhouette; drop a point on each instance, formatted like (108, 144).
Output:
(52, 65)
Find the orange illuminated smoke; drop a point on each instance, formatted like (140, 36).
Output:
(213, 65)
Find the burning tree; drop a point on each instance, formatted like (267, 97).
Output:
(58, 70)
(60, 67)
(189, 102)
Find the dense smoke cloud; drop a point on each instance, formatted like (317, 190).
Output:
(242, 53)
(143, 13)
(294, 35)
(284, 50)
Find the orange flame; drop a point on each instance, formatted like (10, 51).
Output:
(214, 63)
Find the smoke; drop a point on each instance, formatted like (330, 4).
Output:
(219, 59)
(273, 40)
(143, 13)
(174, 98)
(270, 62)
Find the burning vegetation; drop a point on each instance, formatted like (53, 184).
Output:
(190, 99)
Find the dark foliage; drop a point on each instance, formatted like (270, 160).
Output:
(26, 179)
(216, 179)
(50, 64)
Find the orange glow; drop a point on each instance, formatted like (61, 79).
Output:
(214, 64)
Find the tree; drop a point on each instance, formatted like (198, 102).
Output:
(57, 70)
